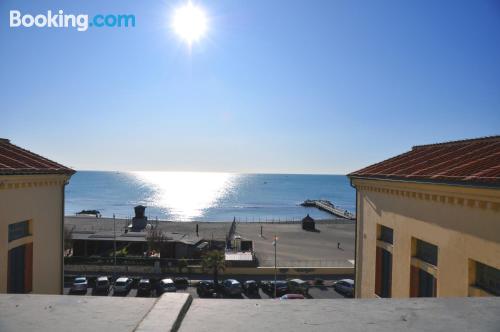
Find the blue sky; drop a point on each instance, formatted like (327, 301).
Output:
(276, 86)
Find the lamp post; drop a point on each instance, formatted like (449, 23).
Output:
(114, 240)
(275, 244)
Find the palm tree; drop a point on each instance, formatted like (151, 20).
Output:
(216, 261)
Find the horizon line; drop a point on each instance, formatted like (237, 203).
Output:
(228, 172)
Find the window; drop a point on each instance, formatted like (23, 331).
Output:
(20, 269)
(488, 278)
(383, 264)
(383, 277)
(426, 252)
(19, 230)
(426, 284)
(385, 234)
(423, 281)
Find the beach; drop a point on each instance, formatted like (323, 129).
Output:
(296, 247)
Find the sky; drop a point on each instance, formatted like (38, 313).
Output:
(281, 86)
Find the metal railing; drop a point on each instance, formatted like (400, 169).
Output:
(306, 263)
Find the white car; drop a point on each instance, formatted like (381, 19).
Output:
(166, 285)
(122, 285)
(79, 285)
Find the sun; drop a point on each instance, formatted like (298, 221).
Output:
(190, 22)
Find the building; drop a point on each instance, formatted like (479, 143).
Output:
(31, 221)
(101, 244)
(428, 222)
(308, 223)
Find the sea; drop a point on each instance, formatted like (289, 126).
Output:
(205, 196)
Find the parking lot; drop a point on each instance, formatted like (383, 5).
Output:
(315, 292)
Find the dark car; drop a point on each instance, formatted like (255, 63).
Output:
(144, 287)
(264, 285)
(250, 287)
(298, 286)
(345, 287)
(102, 285)
(181, 282)
(232, 287)
(206, 288)
(281, 288)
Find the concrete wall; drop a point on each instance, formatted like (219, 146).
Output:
(39, 198)
(463, 222)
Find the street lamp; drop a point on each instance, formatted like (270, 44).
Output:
(275, 244)
(114, 240)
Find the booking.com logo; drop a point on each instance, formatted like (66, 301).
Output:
(80, 22)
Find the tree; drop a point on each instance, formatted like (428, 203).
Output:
(156, 240)
(215, 261)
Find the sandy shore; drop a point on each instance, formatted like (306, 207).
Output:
(294, 244)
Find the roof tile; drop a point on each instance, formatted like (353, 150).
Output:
(18, 161)
(466, 161)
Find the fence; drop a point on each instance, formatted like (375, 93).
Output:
(126, 220)
(131, 261)
(306, 263)
(174, 263)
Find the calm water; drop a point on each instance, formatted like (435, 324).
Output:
(206, 196)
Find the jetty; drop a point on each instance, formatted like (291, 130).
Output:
(329, 207)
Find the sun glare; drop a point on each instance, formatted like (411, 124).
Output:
(190, 22)
(186, 195)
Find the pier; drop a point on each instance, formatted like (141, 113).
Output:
(329, 207)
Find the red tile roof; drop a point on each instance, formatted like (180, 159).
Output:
(17, 161)
(472, 161)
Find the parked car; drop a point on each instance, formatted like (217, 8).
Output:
(232, 287)
(265, 285)
(345, 287)
(281, 288)
(102, 285)
(181, 282)
(250, 287)
(80, 285)
(206, 288)
(144, 287)
(292, 297)
(122, 285)
(298, 286)
(166, 285)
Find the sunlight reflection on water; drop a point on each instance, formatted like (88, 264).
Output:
(186, 195)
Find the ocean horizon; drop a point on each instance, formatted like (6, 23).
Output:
(206, 196)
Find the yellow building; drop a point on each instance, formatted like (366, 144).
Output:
(428, 222)
(31, 221)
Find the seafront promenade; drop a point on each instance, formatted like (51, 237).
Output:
(296, 247)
